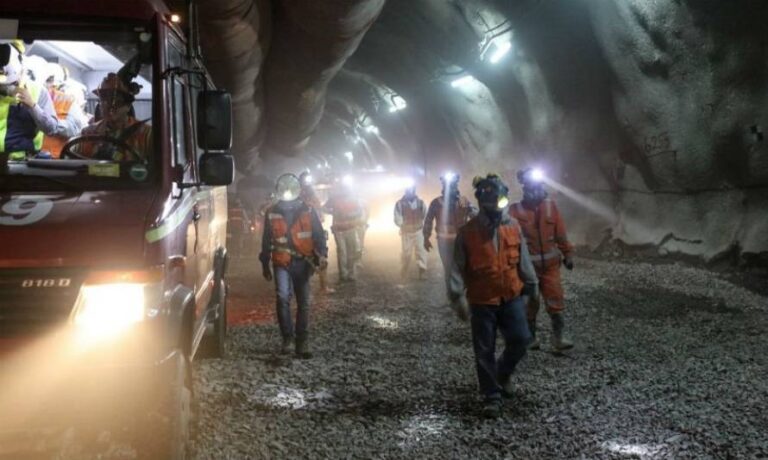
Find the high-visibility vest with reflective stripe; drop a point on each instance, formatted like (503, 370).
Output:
(544, 231)
(456, 217)
(301, 243)
(491, 270)
(62, 103)
(413, 219)
(140, 138)
(17, 121)
(348, 213)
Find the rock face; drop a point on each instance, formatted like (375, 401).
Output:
(650, 116)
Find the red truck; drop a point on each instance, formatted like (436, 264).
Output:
(112, 271)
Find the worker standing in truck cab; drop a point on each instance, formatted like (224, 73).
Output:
(131, 139)
(68, 106)
(446, 214)
(26, 110)
(294, 243)
(548, 245)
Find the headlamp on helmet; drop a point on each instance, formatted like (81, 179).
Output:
(449, 178)
(530, 176)
(491, 191)
(288, 187)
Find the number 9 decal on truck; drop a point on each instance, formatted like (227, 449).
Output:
(25, 210)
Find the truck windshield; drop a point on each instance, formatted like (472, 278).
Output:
(76, 104)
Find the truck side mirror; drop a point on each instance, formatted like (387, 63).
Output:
(217, 169)
(214, 120)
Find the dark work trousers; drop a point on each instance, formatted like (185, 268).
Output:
(290, 280)
(509, 318)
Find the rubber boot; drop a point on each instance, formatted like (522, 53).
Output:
(285, 349)
(559, 343)
(492, 408)
(302, 349)
(534, 344)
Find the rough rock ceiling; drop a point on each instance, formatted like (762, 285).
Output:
(650, 114)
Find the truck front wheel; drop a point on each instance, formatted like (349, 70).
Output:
(167, 435)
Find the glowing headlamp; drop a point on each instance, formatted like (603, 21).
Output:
(536, 175)
(449, 177)
(503, 202)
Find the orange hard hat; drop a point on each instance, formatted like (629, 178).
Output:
(113, 83)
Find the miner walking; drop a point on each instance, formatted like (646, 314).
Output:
(548, 245)
(294, 242)
(492, 275)
(410, 211)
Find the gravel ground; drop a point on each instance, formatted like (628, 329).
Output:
(669, 363)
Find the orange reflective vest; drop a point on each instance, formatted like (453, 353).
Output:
(456, 217)
(62, 103)
(348, 213)
(237, 220)
(137, 135)
(296, 241)
(544, 231)
(491, 270)
(413, 219)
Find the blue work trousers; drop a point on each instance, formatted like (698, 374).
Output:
(509, 318)
(289, 280)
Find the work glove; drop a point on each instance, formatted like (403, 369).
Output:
(427, 244)
(568, 262)
(461, 308)
(266, 272)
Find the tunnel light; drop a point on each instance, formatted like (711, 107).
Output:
(308, 179)
(175, 18)
(350, 156)
(501, 51)
(357, 140)
(372, 129)
(348, 180)
(379, 168)
(463, 81)
(398, 103)
(319, 166)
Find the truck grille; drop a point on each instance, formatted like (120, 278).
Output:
(35, 301)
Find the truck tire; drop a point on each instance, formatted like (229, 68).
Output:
(214, 342)
(167, 433)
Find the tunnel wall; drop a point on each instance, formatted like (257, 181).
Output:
(651, 114)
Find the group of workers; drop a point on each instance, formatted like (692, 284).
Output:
(499, 260)
(41, 109)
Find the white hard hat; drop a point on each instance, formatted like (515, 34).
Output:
(11, 68)
(288, 187)
(55, 72)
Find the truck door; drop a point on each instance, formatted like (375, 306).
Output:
(184, 159)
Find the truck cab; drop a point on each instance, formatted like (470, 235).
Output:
(112, 253)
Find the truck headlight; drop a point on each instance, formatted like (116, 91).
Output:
(109, 303)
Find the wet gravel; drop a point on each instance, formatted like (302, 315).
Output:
(669, 363)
